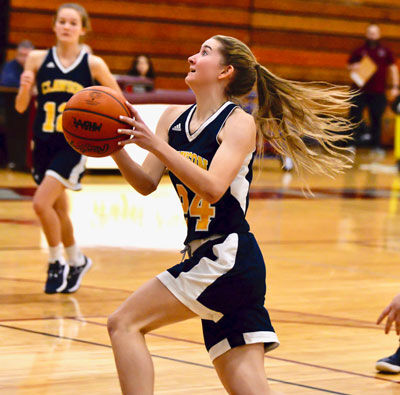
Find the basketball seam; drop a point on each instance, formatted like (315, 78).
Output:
(91, 139)
(98, 90)
(96, 113)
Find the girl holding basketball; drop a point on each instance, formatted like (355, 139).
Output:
(209, 149)
(59, 73)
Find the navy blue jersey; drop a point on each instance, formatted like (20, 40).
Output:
(56, 84)
(228, 214)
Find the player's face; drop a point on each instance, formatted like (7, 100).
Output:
(68, 26)
(206, 65)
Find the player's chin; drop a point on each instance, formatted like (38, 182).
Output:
(67, 39)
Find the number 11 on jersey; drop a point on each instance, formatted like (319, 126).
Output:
(52, 122)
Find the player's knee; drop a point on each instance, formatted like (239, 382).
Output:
(120, 322)
(39, 207)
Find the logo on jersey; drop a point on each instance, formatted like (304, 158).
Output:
(50, 65)
(87, 125)
(60, 86)
(196, 159)
(93, 96)
(177, 128)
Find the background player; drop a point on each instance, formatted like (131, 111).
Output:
(209, 148)
(59, 73)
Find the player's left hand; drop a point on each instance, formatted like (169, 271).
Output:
(392, 312)
(139, 134)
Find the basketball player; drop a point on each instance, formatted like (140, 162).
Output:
(390, 364)
(209, 149)
(59, 73)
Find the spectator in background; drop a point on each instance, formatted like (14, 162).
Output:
(142, 66)
(372, 93)
(13, 69)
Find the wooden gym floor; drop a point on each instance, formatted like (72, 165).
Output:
(332, 266)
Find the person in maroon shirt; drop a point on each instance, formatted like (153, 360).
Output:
(372, 94)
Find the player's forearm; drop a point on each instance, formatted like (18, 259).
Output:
(23, 99)
(134, 173)
(200, 181)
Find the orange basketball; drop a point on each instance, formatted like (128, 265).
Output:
(91, 119)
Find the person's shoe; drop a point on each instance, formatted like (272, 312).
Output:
(287, 164)
(389, 364)
(56, 277)
(75, 276)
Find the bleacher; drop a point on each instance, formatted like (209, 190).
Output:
(302, 40)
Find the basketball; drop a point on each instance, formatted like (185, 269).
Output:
(91, 119)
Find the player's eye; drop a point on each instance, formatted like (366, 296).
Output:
(204, 52)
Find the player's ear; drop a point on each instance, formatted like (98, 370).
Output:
(226, 72)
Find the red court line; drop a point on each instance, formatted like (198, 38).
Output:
(51, 318)
(343, 319)
(270, 357)
(19, 221)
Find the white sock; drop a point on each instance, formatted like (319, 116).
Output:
(56, 254)
(75, 256)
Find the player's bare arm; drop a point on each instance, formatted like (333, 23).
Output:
(27, 81)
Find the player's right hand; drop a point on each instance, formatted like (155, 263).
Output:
(392, 312)
(27, 79)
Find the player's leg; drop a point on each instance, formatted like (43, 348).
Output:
(150, 307)
(241, 370)
(61, 208)
(44, 199)
(78, 262)
(47, 193)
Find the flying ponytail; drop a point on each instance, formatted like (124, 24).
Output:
(291, 114)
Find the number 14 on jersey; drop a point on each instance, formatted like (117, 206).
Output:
(197, 208)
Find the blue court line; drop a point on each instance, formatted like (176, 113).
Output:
(162, 357)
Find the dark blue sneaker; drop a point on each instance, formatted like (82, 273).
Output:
(56, 277)
(389, 364)
(75, 276)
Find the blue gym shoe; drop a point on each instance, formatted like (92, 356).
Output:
(56, 277)
(389, 364)
(75, 276)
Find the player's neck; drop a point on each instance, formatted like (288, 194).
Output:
(207, 104)
(68, 51)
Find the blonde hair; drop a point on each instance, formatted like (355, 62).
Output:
(80, 10)
(289, 112)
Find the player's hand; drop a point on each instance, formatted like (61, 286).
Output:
(392, 312)
(27, 79)
(139, 134)
(393, 93)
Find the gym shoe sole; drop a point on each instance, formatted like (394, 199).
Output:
(387, 367)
